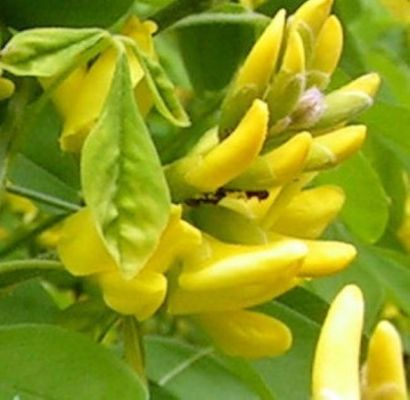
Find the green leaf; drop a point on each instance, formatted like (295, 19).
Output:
(25, 303)
(90, 316)
(163, 91)
(359, 272)
(123, 181)
(75, 13)
(50, 363)
(392, 270)
(183, 371)
(46, 52)
(39, 164)
(14, 271)
(389, 122)
(213, 44)
(289, 375)
(366, 209)
(248, 375)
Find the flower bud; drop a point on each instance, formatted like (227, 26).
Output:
(247, 334)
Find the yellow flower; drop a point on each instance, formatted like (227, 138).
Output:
(336, 362)
(219, 280)
(383, 374)
(83, 253)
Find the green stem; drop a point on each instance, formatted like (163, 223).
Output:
(134, 351)
(42, 198)
(179, 9)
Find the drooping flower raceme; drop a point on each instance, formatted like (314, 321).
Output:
(336, 364)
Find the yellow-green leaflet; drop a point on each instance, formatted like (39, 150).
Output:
(46, 52)
(122, 178)
(163, 91)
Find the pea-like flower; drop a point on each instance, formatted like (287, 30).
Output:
(81, 96)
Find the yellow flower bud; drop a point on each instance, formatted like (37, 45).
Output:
(336, 361)
(294, 58)
(140, 296)
(247, 334)
(310, 212)
(234, 154)
(313, 14)
(384, 375)
(368, 84)
(276, 167)
(326, 53)
(333, 148)
(261, 61)
(326, 258)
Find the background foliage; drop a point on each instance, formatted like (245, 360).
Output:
(200, 45)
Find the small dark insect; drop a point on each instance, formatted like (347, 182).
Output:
(216, 197)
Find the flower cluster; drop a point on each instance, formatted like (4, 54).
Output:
(336, 365)
(245, 230)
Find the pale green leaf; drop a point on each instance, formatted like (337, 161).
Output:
(46, 52)
(163, 91)
(122, 178)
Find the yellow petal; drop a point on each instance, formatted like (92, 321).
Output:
(328, 48)
(230, 265)
(313, 13)
(336, 361)
(141, 33)
(287, 193)
(178, 238)
(87, 107)
(326, 257)
(80, 247)
(384, 375)
(247, 334)
(140, 296)
(310, 212)
(333, 148)
(276, 167)
(368, 84)
(67, 92)
(143, 96)
(262, 59)
(234, 154)
(183, 302)
(294, 58)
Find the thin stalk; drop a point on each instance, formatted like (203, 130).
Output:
(42, 198)
(133, 347)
